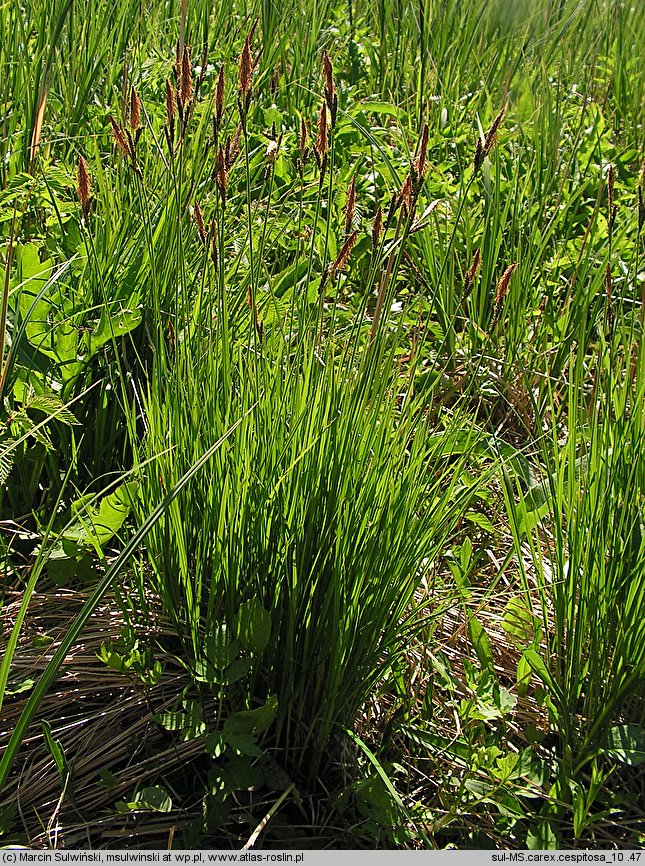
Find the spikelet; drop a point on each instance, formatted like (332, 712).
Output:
(343, 256)
(321, 143)
(471, 273)
(350, 205)
(641, 209)
(272, 151)
(609, 292)
(611, 207)
(405, 194)
(199, 222)
(482, 150)
(377, 226)
(491, 135)
(331, 97)
(219, 99)
(120, 139)
(83, 186)
(171, 103)
(135, 111)
(502, 285)
(245, 72)
(232, 150)
(185, 96)
(302, 138)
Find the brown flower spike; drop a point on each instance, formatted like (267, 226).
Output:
(119, 138)
(502, 286)
(135, 111)
(245, 76)
(185, 81)
(83, 186)
(321, 143)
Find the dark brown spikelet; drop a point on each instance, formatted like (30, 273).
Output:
(611, 207)
(420, 161)
(302, 138)
(83, 186)
(641, 209)
(219, 98)
(377, 226)
(245, 67)
(321, 142)
(135, 111)
(343, 256)
(471, 273)
(171, 103)
(233, 148)
(609, 292)
(119, 138)
(199, 222)
(405, 195)
(492, 132)
(185, 96)
(350, 206)
(502, 285)
(483, 149)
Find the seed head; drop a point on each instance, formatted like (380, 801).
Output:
(245, 68)
(405, 194)
(482, 150)
(341, 259)
(641, 209)
(119, 138)
(350, 205)
(199, 222)
(473, 269)
(502, 285)
(321, 143)
(232, 148)
(302, 138)
(611, 207)
(171, 103)
(376, 227)
(83, 186)
(185, 80)
(135, 111)
(273, 148)
(219, 98)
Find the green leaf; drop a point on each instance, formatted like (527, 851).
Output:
(626, 743)
(541, 838)
(517, 621)
(115, 326)
(152, 799)
(481, 644)
(253, 626)
(55, 749)
(251, 721)
(99, 526)
(244, 743)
